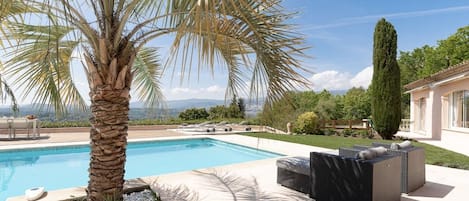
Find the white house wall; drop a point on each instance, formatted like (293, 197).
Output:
(437, 107)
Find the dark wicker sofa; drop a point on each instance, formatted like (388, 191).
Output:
(343, 178)
(413, 166)
(294, 173)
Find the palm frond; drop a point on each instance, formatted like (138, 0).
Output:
(40, 63)
(174, 193)
(146, 77)
(249, 33)
(10, 10)
(236, 187)
(6, 92)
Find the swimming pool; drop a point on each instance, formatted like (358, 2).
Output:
(67, 166)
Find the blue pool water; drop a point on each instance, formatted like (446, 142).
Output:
(65, 167)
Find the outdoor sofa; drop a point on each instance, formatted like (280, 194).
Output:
(294, 173)
(413, 165)
(342, 177)
(413, 162)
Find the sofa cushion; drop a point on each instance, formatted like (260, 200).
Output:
(296, 164)
(371, 153)
(402, 145)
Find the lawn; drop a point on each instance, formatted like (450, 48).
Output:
(434, 155)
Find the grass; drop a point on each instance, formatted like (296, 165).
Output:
(434, 155)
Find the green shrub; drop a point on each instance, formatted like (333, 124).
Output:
(347, 132)
(318, 132)
(365, 134)
(329, 131)
(61, 124)
(307, 123)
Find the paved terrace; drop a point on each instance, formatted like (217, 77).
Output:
(247, 181)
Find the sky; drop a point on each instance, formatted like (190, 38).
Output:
(340, 34)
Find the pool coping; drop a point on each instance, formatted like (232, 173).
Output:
(78, 192)
(64, 144)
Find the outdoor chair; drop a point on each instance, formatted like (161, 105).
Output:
(294, 173)
(413, 165)
(5, 124)
(347, 178)
(21, 123)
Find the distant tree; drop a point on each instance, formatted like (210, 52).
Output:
(455, 49)
(410, 63)
(385, 86)
(194, 113)
(233, 110)
(327, 108)
(357, 104)
(324, 104)
(217, 112)
(426, 60)
(305, 101)
(278, 114)
(242, 108)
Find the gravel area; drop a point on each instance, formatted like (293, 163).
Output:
(145, 195)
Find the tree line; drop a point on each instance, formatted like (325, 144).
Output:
(426, 60)
(356, 103)
(236, 109)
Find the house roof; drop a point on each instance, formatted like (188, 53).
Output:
(440, 75)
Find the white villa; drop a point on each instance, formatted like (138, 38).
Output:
(440, 103)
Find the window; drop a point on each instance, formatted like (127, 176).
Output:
(421, 114)
(460, 109)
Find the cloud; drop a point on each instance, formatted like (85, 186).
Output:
(215, 89)
(373, 18)
(211, 92)
(363, 78)
(334, 80)
(330, 80)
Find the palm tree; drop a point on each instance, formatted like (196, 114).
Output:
(247, 37)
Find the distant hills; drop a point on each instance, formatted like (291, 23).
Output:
(137, 110)
(336, 92)
(184, 104)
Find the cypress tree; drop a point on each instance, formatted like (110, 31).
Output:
(385, 85)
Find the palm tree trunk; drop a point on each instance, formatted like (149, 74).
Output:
(109, 92)
(108, 143)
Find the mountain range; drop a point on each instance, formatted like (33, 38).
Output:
(138, 108)
(184, 104)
